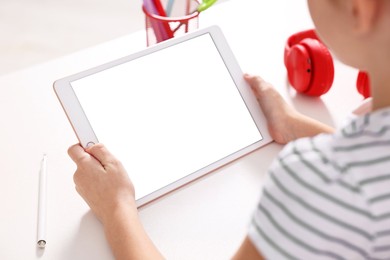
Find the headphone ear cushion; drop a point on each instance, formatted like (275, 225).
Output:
(297, 62)
(363, 84)
(322, 72)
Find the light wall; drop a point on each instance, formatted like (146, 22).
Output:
(36, 31)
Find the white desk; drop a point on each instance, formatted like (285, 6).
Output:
(205, 220)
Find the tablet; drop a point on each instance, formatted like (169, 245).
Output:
(170, 113)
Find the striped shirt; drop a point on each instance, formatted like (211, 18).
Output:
(328, 197)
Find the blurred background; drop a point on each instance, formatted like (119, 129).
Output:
(35, 31)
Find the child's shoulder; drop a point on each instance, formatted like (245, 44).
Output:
(363, 139)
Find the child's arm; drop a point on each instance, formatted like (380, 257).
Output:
(247, 251)
(104, 184)
(284, 122)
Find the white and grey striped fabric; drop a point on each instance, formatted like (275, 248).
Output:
(328, 197)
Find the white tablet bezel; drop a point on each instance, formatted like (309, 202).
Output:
(85, 132)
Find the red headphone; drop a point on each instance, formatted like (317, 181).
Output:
(310, 66)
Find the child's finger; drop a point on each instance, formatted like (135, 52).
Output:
(77, 154)
(256, 83)
(101, 153)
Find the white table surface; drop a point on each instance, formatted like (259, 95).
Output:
(205, 220)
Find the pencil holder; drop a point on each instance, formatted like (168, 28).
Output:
(167, 19)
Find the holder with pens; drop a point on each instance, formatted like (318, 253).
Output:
(167, 19)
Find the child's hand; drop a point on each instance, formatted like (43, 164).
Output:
(277, 112)
(102, 181)
(285, 124)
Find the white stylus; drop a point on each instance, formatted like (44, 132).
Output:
(42, 203)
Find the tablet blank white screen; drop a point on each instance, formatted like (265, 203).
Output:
(168, 114)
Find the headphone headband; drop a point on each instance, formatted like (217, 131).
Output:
(298, 37)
